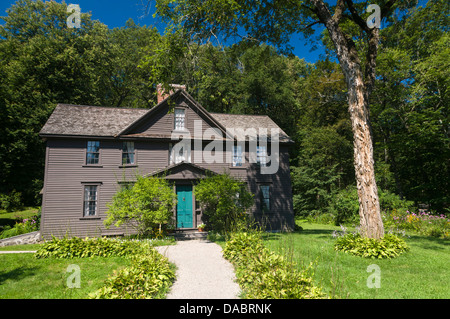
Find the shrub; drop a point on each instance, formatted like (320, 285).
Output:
(25, 226)
(387, 247)
(146, 205)
(149, 276)
(89, 247)
(224, 200)
(11, 201)
(262, 274)
(345, 205)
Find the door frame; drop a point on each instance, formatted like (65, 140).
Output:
(192, 205)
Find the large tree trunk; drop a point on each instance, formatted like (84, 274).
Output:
(369, 205)
(358, 99)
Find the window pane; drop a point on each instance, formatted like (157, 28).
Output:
(261, 155)
(128, 153)
(237, 155)
(179, 119)
(92, 152)
(265, 197)
(90, 200)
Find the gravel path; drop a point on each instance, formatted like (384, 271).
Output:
(202, 272)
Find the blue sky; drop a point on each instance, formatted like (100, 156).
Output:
(114, 13)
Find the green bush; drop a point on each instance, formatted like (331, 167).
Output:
(387, 247)
(146, 206)
(89, 247)
(345, 205)
(11, 201)
(224, 200)
(150, 276)
(262, 274)
(25, 226)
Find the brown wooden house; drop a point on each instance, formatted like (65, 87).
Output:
(91, 151)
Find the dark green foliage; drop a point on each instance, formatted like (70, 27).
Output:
(45, 63)
(389, 246)
(225, 201)
(76, 247)
(262, 274)
(11, 202)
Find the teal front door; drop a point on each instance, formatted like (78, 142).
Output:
(184, 206)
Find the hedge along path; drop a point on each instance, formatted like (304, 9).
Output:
(202, 272)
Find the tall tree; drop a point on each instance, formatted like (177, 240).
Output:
(355, 44)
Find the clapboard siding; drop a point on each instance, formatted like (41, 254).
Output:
(66, 172)
(162, 123)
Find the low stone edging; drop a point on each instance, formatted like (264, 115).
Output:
(23, 239)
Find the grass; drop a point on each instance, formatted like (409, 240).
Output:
(24, 277)
(420, 273)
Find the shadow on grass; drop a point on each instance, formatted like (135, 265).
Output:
(429, 242)
(17, 273)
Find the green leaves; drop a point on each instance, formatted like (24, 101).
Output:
(225, 201)
(262, 274)
(149, 276)
(76, 247)
(147, 204)
(389, 246)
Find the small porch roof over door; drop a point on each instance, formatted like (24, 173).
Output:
(182, 171)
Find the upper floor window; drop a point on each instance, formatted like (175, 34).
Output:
(179, 153)
(180, 116)
(93, 152)
(128, 153)
(261, 155)
(90, 200)
(237, 155)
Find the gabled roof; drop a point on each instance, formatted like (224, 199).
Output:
(182, 167)
(82, 120)
(250, 121)
(180, 93)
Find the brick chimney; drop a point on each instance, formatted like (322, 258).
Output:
(163, 95)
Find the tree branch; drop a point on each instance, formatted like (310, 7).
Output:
(340, 7)
(386, 8)
(356, 17)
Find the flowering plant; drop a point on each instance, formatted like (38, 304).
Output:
(424, 223)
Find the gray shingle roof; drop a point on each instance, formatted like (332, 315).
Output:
(68, 119)
(245, 122)
(81, 120)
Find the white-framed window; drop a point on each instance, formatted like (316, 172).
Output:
(90, 202)
(237, 155)
(178, 154)
(265, 197)
(92, 152)
(180, 117)
(128, 156)
(261, 155)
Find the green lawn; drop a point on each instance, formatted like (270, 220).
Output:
(24, 277)
(423, 272)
